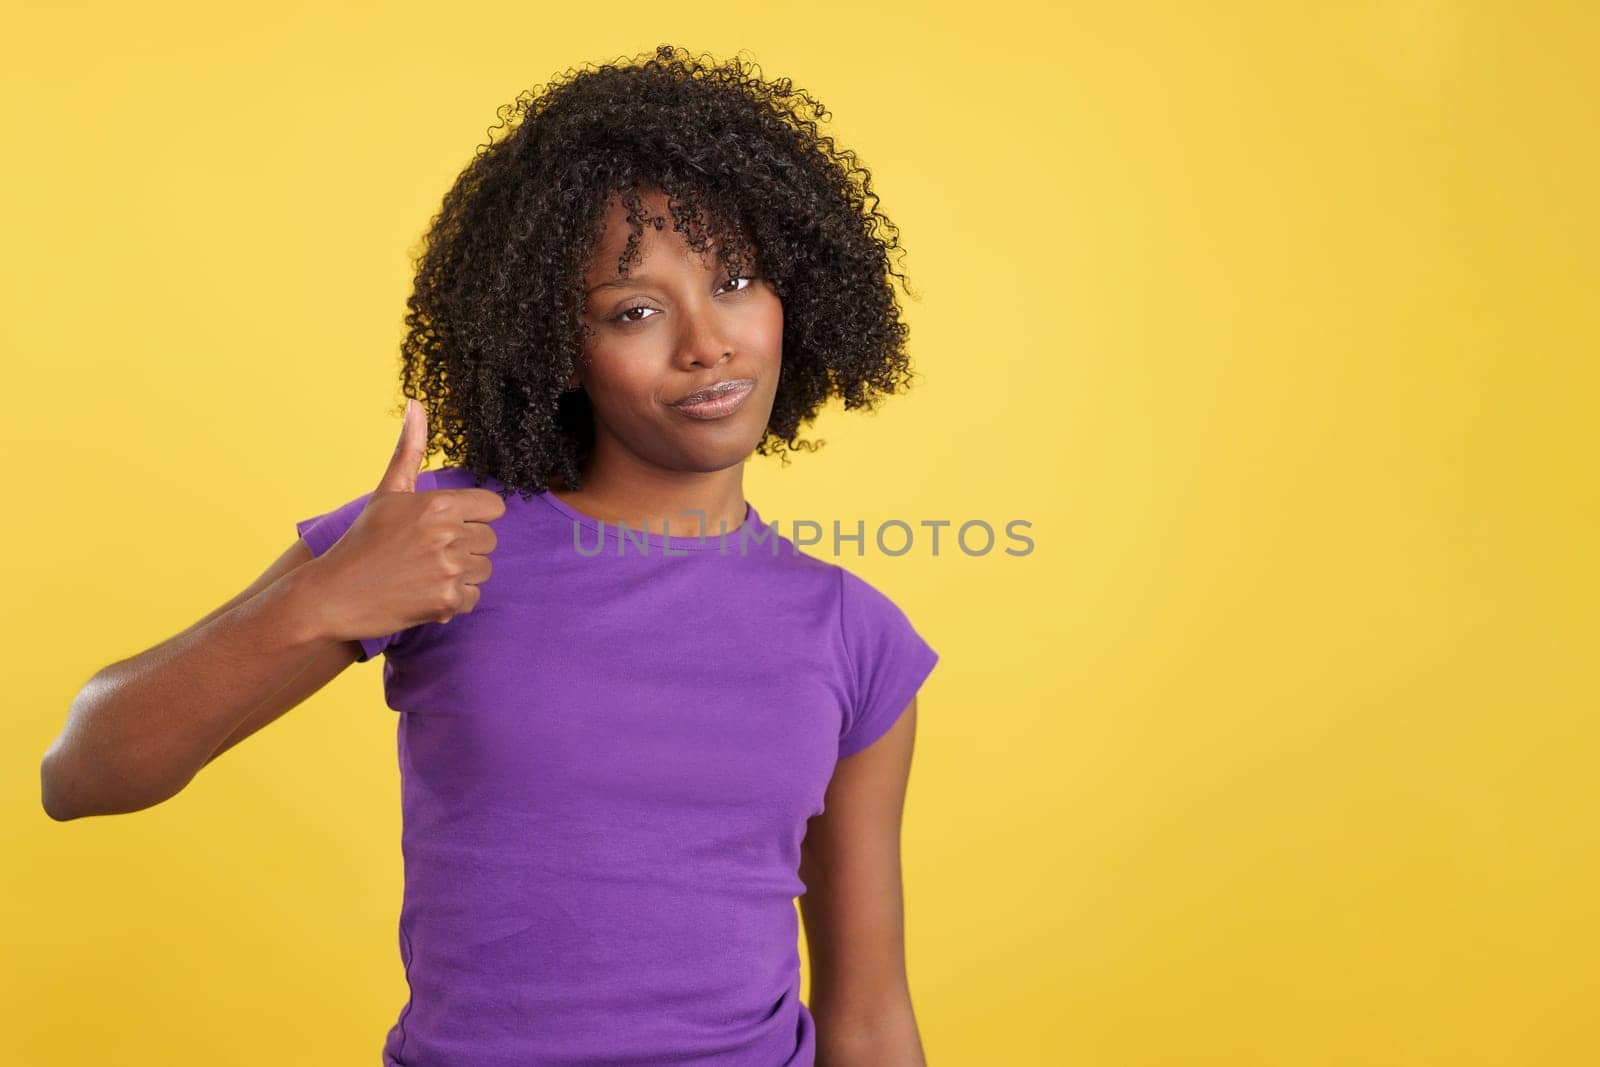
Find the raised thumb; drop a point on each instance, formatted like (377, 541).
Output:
(409, 453)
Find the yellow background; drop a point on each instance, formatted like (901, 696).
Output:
(1277, 322)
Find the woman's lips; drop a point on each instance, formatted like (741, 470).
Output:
(723, 404)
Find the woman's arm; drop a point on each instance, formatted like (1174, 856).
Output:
(853, 910)
(143, 727)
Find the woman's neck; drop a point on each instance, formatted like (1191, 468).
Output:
(678, 503)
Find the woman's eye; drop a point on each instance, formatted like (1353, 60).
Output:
(623, 317)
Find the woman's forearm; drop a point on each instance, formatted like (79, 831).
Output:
(141, 728)
(889, 1039)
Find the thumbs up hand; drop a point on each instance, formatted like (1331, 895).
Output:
(409, 557)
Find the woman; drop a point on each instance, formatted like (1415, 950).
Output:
(625, 754)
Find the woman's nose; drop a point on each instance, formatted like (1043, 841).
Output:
(702, 343)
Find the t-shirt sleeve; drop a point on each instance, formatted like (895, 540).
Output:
(322, 531)
(887, 662)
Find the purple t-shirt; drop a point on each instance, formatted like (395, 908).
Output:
(606, 771)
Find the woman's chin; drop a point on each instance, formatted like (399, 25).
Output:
(706, 455)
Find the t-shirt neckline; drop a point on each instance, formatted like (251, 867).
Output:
(712, 539)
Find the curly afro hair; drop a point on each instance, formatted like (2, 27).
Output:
(495, 323)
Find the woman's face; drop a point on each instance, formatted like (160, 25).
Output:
(674, 326)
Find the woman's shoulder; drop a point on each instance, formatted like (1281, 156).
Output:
(453, 477)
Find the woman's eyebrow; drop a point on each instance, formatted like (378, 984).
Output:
(622, 283)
